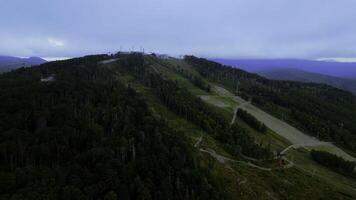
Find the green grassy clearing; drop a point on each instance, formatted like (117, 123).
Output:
(219, 101)
(303, 160)
(167, 69)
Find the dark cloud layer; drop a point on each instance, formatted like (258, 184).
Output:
(224, 28)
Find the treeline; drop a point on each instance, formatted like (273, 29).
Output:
(320, 110)
(196, 80)
(335, 163)
(87, 136)
(192, 108)
(251, 120)
(238, 141)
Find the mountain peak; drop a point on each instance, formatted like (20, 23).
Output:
(8, 63)
(35, 59)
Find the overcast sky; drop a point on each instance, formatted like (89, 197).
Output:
(212, 28)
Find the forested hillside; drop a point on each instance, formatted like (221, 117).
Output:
(192, 108)
(85, 135)
(320, 110)
(130, 126)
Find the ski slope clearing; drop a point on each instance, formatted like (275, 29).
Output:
(295, 136)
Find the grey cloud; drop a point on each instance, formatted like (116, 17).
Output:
(224, 28)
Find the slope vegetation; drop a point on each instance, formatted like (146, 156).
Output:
(321, 111)
(136, 126)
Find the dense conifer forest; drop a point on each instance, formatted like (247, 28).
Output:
(251, 120)
(88, 136)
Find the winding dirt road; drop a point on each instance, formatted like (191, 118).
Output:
(223, 159)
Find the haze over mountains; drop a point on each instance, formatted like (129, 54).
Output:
(304, 76)
(338, 74)
(339, 69)
(8, 63)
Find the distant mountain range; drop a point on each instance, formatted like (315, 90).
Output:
(339, 69)
(304, 76)
(337, 74)
(8, 63)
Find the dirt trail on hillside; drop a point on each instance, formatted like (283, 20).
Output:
(224, 160)
(109, 61)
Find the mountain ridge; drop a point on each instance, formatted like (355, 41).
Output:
(339, 69)
(8, 63)
(293, 74)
